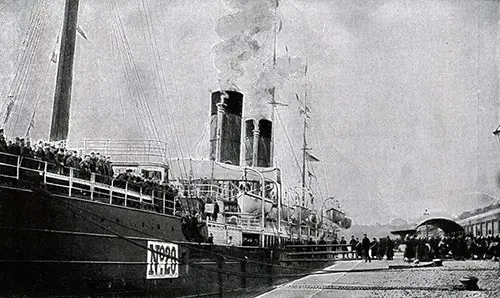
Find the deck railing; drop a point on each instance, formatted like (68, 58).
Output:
(84, 185)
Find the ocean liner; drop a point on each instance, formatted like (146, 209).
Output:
(66, 231)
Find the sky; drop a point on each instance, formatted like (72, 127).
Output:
(403, 94)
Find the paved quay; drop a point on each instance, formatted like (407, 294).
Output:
(359, 279)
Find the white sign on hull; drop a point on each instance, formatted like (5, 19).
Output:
(162, 260)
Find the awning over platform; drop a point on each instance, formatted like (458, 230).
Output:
(445, 224)
(404, 232)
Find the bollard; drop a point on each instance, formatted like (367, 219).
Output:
(437, 262)
(470, 283)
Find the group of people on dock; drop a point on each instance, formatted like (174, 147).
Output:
(373, 249)
(356, 249)
(459, 247)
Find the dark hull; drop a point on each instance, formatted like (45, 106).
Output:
(55, 245)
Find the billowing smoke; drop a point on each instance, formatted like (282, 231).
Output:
(238, 31)
(275, 74)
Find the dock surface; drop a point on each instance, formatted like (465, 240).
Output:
(395, 278)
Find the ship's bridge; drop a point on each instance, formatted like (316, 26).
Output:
(146, 157)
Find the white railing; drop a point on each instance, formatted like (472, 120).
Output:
(75, 183)
(127, 151)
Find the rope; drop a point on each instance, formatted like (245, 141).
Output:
(288, 139)
(133, 71)
(23, 65)
(22, 50)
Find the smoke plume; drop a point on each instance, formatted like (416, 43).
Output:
(274, 74)
(238, 31)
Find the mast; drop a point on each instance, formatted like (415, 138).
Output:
(62, 97)
(304, 148)
(273, 100)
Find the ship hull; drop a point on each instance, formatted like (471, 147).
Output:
(57, 245)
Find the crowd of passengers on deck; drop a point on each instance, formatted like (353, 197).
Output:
(60, 159)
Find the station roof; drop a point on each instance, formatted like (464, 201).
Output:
(403, 233)
(445, 224)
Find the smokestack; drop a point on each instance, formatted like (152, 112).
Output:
(258, 142)
(225, 126)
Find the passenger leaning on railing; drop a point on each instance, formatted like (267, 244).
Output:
(72, 161)
(85, 167)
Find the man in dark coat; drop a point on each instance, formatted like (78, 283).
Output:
(389, 248)
(343, 247)
(366, 248)
(109, 168)
(3, 143)
(93, 162)
(15, 148)
(85, 169)
(359, 248)
(216, 211)
(353, 243)
(60, 161)
(381, 248)
(71, 161)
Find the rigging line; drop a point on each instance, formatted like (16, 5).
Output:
(23, 86)
(195, 147)
(21, 51)
(151, 51)
(33, 42)
(113, 53)
(288, 139)
(322, 167)
(174, 80)
(20, 67)
(161, 72)
(159, 69)
(140, 95)
(134, 73)
(127, 63)
(173, 128)
(39, 95)
(139, 84)
(33, 33)
(115, 42)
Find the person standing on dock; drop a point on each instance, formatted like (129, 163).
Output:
(390, 249)
(374, 247)
(353, 244)
(343, 246)
(366, 248)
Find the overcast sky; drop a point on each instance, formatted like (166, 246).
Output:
(403, 94)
